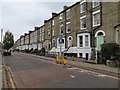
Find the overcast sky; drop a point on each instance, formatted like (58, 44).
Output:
(21, 16)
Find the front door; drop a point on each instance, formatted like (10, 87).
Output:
(100, 41)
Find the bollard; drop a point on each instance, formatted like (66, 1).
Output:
(64, 61)
(73, 59)
(57, 58)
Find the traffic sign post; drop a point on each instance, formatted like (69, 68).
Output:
(60, 42)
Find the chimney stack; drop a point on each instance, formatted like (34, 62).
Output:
(54, 14)
(65, 7)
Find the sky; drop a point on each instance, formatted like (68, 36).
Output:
(20, 16)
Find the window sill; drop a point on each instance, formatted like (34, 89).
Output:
(83, 28)
(96, 25)
(82, 12)
(67, 32)
(96, 6)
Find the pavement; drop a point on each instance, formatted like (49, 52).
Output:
(0, 71)
(99, 68)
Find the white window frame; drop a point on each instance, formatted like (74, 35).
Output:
(67, 28)
(42, 36)
(61, 18)
(42, 29)
(60, 28)
(82, 41)
(70, 41)
(81, 20)
(98, 11)
(53, 44)
(93, 4)
(87, 40)
(81, 11)
(53, 22)
(48, 32)
(68, 14)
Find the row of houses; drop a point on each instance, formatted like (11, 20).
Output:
(79, 29)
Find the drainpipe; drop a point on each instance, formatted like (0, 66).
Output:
(92, 31)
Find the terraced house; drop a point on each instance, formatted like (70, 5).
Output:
(81, 29)
(31, 33)
(26, 41)
(18, 45)
(48, 41)
(41, 36)
(22, 43)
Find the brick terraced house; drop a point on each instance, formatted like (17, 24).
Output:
(80, 29)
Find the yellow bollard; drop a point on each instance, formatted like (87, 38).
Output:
(57, 58)
(73, 59)
(64, 61)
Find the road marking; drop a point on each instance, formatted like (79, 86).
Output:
(72, 76)
(73, 68)
(92, 73)
(102, 75)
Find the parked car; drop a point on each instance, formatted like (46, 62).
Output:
(6, 53)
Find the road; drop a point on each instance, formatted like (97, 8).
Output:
(30, 72)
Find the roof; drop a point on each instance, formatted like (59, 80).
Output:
(62, 11)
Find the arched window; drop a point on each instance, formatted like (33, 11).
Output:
(69, 39)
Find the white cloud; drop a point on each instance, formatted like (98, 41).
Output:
(20, 17)
(39, 0)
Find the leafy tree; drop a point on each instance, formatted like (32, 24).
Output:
(8, 40)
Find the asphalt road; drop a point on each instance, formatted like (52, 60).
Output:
(30, 72)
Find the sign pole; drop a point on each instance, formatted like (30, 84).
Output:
(60, 49)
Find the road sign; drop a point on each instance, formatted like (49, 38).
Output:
(60, 41)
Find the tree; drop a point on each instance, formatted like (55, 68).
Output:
(8, 40)
(110, 50)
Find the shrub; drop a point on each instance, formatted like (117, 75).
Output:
(110, 51)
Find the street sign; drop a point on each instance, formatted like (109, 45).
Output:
(60, 41)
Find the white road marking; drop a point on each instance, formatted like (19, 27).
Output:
(102, 75)
(72, 76)
(73, 68)
(93, 73)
